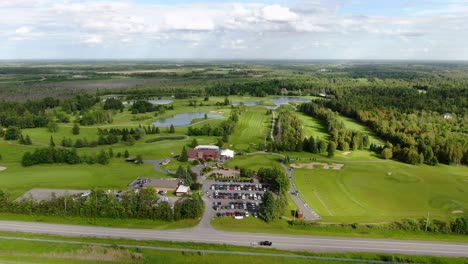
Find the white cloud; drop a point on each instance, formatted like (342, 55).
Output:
(278, 13)
(24, 30)
(223, 29)
(92, 40)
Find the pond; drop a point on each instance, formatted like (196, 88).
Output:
(286, 100)
(160, 102)
(155, 102)
(248, 103)
(184, 119)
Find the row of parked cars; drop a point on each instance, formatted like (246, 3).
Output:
(239, 187)
(237, 180)
(236, 214)
(237, 196)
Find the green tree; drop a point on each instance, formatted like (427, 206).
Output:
(184, 155)
(387, 153)
(76, 129)
(27, 140)
(268, 206)
(103, 158)
(52, 143)
(52, 126)
(194, 143)
(130, 140)
(172, 129)
(126, 154)
(331, 149)
(111, 153)
(12, 133)
(180, 173)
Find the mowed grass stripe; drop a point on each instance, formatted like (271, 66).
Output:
(251, 129)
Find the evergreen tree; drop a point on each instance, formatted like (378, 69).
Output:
(27, 140)
(172, 129)
(52, 143)
(184, 155)
(194, 143)
(103, 158)
(76, 129)
(111, 153)
(130, 140)
(331, 149)
(126, 154)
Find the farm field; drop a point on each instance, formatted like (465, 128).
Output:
(384, 191)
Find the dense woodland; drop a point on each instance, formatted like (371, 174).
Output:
(419, 109)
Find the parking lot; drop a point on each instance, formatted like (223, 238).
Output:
(236, 199)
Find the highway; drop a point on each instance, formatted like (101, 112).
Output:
(207, 235)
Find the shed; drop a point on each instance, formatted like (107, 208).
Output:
(182, 189)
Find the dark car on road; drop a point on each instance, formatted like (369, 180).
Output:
(265, 243)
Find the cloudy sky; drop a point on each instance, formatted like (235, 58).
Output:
(242, 29)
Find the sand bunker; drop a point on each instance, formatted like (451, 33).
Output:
(457, 212)
(2, 168)
(326, 166)
(346, 153)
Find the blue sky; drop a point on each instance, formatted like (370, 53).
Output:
(242, 29)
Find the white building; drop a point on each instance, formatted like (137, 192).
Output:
(227, 154)
(205, 147)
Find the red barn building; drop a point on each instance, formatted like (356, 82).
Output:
(202, 154)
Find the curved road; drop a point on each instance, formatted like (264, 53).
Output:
(288, 242)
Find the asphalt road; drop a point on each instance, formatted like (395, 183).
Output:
(207, 235)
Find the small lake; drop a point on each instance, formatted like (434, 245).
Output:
(160, 102)
(286, 100)
(155, 102)
(184, 119)
(248, 103)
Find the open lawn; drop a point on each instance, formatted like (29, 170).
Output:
(312, 126)
(17, 179)
(384, 191)
(251, 129)
(255, 162)
(354, 125)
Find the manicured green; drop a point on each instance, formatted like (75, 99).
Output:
(255, 162)
(312, 126)
(384, 191)
(253, 126)
(354, 125)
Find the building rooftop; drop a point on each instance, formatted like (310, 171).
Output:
(182, 189)
(203, 147)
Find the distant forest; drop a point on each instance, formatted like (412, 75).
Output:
(419, 109)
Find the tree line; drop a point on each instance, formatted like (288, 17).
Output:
(131, 204)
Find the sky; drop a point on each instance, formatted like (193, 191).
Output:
(242, 29)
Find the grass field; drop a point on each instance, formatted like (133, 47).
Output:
(30, 248)
(354, 125)
(312, 126)
(365, 192)
(255, 162)
(251, 129)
